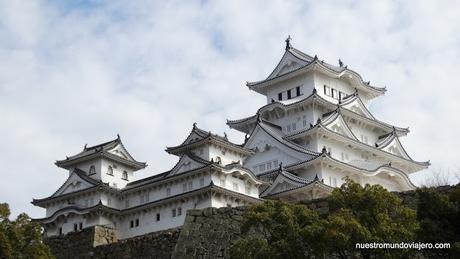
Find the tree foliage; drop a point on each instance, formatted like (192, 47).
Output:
(357, 214)
(20, 238)
(439, 216)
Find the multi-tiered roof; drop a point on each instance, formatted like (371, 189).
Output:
(332, 121)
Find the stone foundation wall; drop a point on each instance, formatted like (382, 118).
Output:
(100, 242)
(207, 233)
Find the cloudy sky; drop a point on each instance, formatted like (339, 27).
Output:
(83, 71)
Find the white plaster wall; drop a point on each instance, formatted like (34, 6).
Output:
(148, 222)
(227, 156)
(266, 156)
(305, 82)
(338, 84)
(228, 181)
(80, 200)
(116, 180)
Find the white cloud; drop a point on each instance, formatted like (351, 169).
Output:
(71, 75)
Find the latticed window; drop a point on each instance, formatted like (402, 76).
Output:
(124, 176)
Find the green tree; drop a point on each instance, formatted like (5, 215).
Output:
(357, 214)
(439, 215)
(20, 238)
(364, 214)
(273, 230)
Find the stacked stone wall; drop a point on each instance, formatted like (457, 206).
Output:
(207, 233)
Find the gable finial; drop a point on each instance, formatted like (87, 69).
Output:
(118, 136)
(340, 63)
(194, 125)
(225, 135)
(281, 165)
(288, 42)
(86, 145)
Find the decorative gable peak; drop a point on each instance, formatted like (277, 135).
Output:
(111, 150)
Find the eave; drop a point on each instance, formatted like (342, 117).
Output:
(100, 187)
(318, 128)
(315, 98)
(178, 150)
(316, 65)
(68, 163)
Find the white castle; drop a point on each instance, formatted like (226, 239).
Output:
(314, 131)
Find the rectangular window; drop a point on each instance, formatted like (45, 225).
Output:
(269, 165)
(75, 227)
(289, 94)
(190, 185)
(179, 211)
(280, 96)
(201, 181)
(334, 93)
(174, 213)
(168, 192)
(137, 222)
(109, 201)
(126, 203)
(141, 199)
(262, 168)
(158, 216)
(275, 163)
(81, 226)
(184, 187)
(297, 90)
(288, 128)
(327, 90)
(60, 231)
(131, 224)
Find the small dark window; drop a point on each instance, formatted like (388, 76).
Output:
(92, 170)
(158, 216)
(75, 227)
(131, 223)
(280, 96)
(325, 90)
(334, 93)
(174, 213)
(297, 89)
(289, 94)
(137, 222)
(81, 226)
(179, 211)
(110, 170)
(60, 231)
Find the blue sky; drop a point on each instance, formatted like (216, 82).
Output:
(80, 73)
